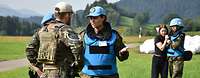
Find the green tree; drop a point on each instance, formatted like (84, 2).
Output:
(169, 17)
(142, 18)
(133, 29)
(12, 25)
(188, 24)
(196, 26)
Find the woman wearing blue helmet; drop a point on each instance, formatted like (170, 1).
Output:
(102, 45)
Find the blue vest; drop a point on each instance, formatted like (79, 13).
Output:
(99, 56)
(175, 52)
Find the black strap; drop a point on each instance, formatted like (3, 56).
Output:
(99, 50)
(99, 67)
(170, 52)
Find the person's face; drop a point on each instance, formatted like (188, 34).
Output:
(96, 21)
(174, 28)
(68, 18)
(163, 32)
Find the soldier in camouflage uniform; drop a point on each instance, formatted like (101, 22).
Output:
(56, 46)
(38, 67)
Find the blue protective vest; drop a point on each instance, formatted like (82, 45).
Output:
(175, 52)
(99, 56)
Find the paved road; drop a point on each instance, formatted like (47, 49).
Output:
(13, 64)
(133, 45)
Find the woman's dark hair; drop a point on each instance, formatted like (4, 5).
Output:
(103, 16)
(162, 26)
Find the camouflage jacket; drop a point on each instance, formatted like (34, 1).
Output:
(68, 50)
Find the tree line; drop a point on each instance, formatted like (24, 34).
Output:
(129, 23)
(12, 25)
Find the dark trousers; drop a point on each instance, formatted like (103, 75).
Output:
(159, 66)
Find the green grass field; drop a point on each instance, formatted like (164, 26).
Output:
(16, 73)
(136, 39)
(137, 66)
(192, 33)
(12, 47)
(126, 21)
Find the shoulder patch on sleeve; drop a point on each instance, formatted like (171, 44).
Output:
(72, 35)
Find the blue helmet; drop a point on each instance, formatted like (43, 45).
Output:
(176, 22)
(47, 17)
(96, 11)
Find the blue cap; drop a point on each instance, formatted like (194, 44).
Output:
(176, 22)
(96, 11)
(49, 16)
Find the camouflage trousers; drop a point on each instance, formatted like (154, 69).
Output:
(55, 72)
(176, 68)
(51, 73)
(82, 75)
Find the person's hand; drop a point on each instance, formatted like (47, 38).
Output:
(36, 69)
(123, 51)
(166, 37)
(40, 73)
(168, 41)
(43, 75)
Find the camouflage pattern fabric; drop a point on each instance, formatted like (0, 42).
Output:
(66, 47)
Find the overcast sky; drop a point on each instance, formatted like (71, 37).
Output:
(42, 6)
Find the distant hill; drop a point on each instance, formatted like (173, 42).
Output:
(29, 13)
(158, 9)
(8, 11)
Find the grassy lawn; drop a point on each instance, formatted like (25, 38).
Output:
(136, 39)
(12, 47)
(126, 21)
(137, 66)
(192, 33)
(16, 73)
